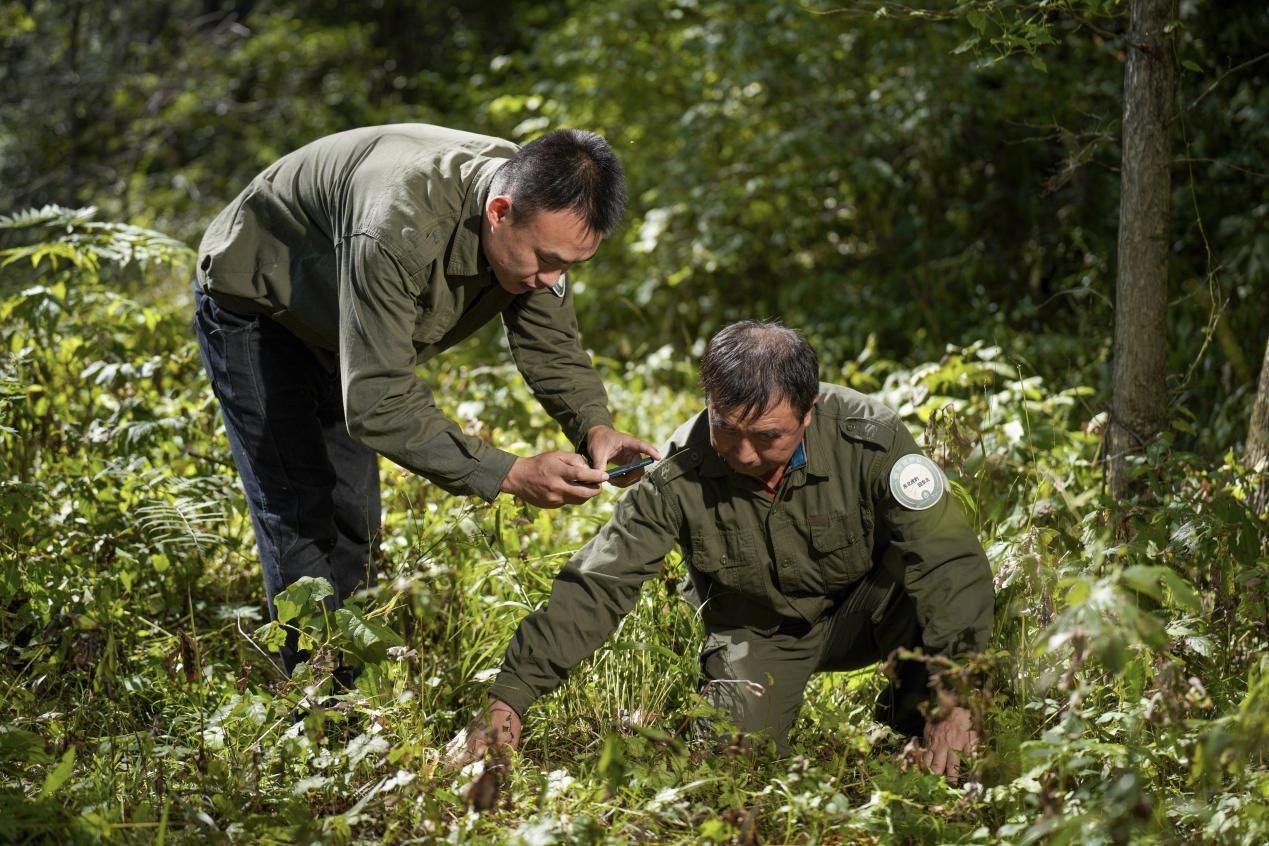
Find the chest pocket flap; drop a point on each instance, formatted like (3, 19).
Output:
(730, 558)
(838, 543)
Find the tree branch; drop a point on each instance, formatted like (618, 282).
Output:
(1194, 103)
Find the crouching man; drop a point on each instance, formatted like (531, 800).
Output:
(817, 538)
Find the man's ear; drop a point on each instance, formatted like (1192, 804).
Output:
(498, 210)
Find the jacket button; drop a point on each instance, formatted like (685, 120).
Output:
(722, 560)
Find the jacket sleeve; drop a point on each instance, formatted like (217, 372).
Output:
(945, 569)
(598, 586)
(387, 407)
(543, 335)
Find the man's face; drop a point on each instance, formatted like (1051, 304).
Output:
(760, 445)
(527, 255)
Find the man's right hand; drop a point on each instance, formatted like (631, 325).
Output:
(553, 479)
(947, 741)
(501, 729)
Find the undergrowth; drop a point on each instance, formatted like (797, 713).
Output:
(1127, 685)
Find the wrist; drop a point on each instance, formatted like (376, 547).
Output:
(511, 482)
(585, 448)
(495, 703)
(598, 430)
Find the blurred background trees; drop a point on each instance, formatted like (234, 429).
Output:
(891, 180)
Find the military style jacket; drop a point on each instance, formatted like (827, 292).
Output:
(366, 245)
(758, 562)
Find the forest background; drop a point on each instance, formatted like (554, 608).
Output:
(931, 193)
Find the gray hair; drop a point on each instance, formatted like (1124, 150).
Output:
(749, 365)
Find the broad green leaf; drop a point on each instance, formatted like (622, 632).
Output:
(58, 775)
(1150, 629)
(19, 745)
(367, 639)
(1112, 650)
(1182, 594)
(272, 635)
(302, 596)
(1077, 592)
(1145, 579)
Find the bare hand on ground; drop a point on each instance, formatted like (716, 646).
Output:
(607, 445)
(553, 479)
(947, 742)
(501, 728)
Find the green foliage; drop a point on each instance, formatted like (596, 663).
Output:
(64, 241)
(930, 191)
(918, 173)
(1124, 700)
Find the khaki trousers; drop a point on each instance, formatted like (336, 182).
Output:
(760, 679)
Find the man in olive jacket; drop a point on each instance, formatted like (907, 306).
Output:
(817, 537)
(346, 264)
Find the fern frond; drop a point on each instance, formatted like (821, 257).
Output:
(50, 215)
(184, 520)
(74, 235)
(50, 250)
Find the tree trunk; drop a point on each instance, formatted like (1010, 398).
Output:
(1258, 442)
(1139, 390)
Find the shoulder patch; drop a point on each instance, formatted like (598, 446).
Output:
(868, 429)
(916, 482)
(674, 466)
(560, 287)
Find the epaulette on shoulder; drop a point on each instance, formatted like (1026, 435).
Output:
(674, 466)
(868, 429)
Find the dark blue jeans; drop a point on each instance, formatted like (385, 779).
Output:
(312, 490)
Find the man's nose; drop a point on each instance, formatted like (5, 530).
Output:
(745, 453)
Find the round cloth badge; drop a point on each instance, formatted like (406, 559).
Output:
(917, 482)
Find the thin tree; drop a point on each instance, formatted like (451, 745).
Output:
(1139, 390)
(1258, 442)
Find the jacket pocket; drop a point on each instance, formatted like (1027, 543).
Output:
(837, 541)
(729, 559)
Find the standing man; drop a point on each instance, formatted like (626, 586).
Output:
(350, 261)
(817, 537)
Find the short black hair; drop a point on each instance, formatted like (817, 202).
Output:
(565, 170)
(749, 365)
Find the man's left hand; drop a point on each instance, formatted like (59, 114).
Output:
(607, 445)
(947, 742)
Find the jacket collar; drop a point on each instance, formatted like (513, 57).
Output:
(820, 440)
(465, 256)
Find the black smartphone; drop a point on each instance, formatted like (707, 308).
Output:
(628, 468)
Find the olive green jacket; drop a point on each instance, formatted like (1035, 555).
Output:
(758, 563)
(366, 245)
